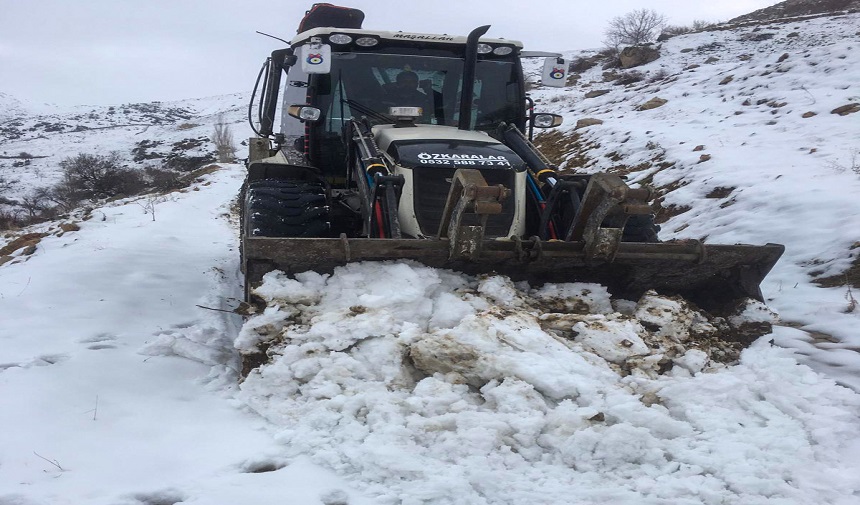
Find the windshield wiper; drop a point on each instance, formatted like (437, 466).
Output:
(364, 109)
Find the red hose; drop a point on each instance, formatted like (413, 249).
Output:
(378, 210)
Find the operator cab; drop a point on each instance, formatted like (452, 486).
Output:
(351, 73)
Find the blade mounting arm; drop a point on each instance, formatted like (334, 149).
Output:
(469, 193)
(607, 203)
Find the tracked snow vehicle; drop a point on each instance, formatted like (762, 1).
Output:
(397, 146)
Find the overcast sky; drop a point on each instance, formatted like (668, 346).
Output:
(74, 52)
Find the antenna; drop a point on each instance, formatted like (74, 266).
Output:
(272, 36)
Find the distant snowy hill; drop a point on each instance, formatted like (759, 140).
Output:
(144, 134)
(395, 383)
(10, 107)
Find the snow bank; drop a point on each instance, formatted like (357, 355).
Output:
(426, 386)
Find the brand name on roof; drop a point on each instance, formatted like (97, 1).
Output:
(419, 36)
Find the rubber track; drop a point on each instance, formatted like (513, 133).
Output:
(284, 208)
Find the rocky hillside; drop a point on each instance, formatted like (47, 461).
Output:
(794, 8)
(167, 136)
(741, 130)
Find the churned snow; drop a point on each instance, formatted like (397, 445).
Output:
(373, 379)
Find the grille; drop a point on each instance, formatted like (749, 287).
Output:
(431, 193)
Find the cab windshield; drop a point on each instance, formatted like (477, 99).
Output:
(368, 84)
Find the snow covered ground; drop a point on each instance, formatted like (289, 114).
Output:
(87, 415)
(748, 150)
(400, 384)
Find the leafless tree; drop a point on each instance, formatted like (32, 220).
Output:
(223, 139)
(634, 28)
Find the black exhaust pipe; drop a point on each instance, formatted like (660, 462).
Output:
(469, 68)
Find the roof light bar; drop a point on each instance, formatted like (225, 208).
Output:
(339, 38)
(366, 41)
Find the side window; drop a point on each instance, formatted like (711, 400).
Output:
(477, 94)
(497, 92)
(339, 112)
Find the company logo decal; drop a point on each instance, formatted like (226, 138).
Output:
(462, 159)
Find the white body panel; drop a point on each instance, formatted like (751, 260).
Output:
(386, 134)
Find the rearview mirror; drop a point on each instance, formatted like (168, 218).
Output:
(546, 120)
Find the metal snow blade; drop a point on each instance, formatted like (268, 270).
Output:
(712, 276)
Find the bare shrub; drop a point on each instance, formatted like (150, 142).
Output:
(150, 203)
(853, 163)
(64, 197)
(635, 28)
(8, 220)
(37, 203)
(92, 176)
(5, 185)
(670, 31)
(223, 139)
(163, 180)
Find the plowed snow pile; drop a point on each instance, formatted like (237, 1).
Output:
(425, 386)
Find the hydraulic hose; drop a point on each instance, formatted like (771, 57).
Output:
(263, 69)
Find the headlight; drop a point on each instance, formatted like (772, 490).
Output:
(367, 41)
(339, 38)
(304, 112)
(503, 50)
(484, 48)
